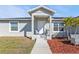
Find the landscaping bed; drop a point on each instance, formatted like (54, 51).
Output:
(62, 46)
(16, 45)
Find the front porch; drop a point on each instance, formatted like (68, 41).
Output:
(41, 25)
(41, 21)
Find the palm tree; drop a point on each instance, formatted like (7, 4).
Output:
(68, 23)
(71, 24)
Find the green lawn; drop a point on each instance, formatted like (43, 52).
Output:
(16, 45)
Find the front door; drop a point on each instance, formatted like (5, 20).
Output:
(40, 26)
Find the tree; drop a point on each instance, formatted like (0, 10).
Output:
(68, 23)
(71, 24)
(75, 24)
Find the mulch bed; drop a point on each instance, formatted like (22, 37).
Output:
(62, 46)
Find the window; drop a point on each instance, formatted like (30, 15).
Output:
(61, 26)
(14, 26)
(58, 26)
(55, 26)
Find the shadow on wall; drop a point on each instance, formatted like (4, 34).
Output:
(64, 34)
(73, 31)
(26, 28)
(59, 35)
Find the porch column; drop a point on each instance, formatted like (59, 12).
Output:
(32, 27)
(50, 27)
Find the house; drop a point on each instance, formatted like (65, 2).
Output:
(41, 22)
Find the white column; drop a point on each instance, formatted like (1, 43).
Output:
(33, 27)
(50, 28)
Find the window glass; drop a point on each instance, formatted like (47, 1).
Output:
(61, 24)
(61, 29)
(14, 26)
(55, 26)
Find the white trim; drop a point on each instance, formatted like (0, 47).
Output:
(33, 27)
(43, 7)
(50, 27)
(30, 11)
(10, 26)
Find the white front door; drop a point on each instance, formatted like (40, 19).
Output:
(40, 26)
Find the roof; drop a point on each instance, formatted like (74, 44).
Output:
(19, 18)
(58, 17)
(41, 7)
(29, 18)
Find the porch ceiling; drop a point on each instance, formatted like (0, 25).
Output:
(41, 16)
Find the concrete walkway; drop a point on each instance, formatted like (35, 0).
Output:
(41, 46)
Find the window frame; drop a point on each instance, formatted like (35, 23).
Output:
(10, 26)
(59, 27)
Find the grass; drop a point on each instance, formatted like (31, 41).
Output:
(16, 45)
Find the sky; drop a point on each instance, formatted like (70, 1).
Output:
(13, 11)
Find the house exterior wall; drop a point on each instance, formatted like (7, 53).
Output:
(25, 27)
(23, 30)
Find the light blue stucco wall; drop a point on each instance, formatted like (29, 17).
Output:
(24, 28)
